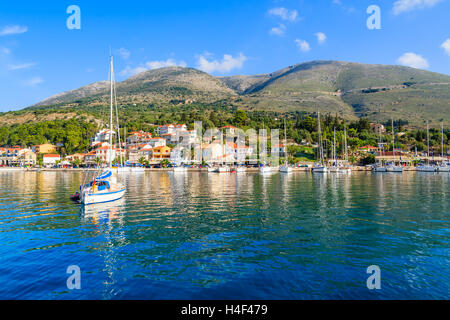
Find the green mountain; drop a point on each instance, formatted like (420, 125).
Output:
(378, 92)
(351, 90)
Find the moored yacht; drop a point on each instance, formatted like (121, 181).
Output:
(104, 187)
(179, 169)
(320, 167)
(426, 168)
(392, 167)
(285, 167)
(265, 169)
(379, 168)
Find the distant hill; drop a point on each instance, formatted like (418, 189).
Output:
(351, 90)
(172, 84)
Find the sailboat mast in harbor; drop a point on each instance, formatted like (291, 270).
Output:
(345, 144)
(104, 187)
(321, 168)
(393, 139)
(285, 168)
(111, 113)
(443, 167)
(442, 141)
(392, 167)
(428, 143)
(334, 148)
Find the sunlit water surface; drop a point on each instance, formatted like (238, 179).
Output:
(230, 236)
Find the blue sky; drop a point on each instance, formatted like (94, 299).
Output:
(40, 56)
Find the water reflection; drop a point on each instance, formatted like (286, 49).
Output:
(200, 235)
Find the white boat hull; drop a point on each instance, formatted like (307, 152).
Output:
(179, 169)
(285, 169)
(265, 169)
(320, 170)
(137, 169)
(379, 169)
(223, 169)
(87, 197)
(443, 169)
(426, 169)
(340, 170)
(394, 169)
(241, 169)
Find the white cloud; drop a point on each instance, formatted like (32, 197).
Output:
(321, 37)
(284, 14)
(348, 9)
(129, 72)
(278, 31)
(33, 81)
(413, 60)
(227, 64)
(151, 65)
(124, 53)
(401, 6)
(14, 67)
(446, 46)
(302, 45)
(4, 50)
(9, 30)
(163, 64)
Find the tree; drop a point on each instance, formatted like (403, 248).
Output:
(98, 161)
(76, 162)
(369, 159)
(165, 163)
(142, 160)
(240, 118)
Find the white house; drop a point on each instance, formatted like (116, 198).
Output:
(101, 136)
(280, 149)
(49, 160)
(139, 137)
(156, 142)
(170, 128)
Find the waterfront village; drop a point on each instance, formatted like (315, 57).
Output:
(146, 150)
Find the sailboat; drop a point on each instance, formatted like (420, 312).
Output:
(321, 167)
(379, 167)
(392, 167)
(285, 167)
(443, 166)
(336, 168)
(105, 186)
(427, 167)
(263, 168)
(178, 166)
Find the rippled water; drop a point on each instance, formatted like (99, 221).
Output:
(245, 236)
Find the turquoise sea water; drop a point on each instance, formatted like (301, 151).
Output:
(228, 236)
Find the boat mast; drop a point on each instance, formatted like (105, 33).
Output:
(393, 139)
(111, 116)
(428, 143)
(381, 144)
(345, 144)
(320, 141)
(442, 141)
(334, 147)
(285, 145)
